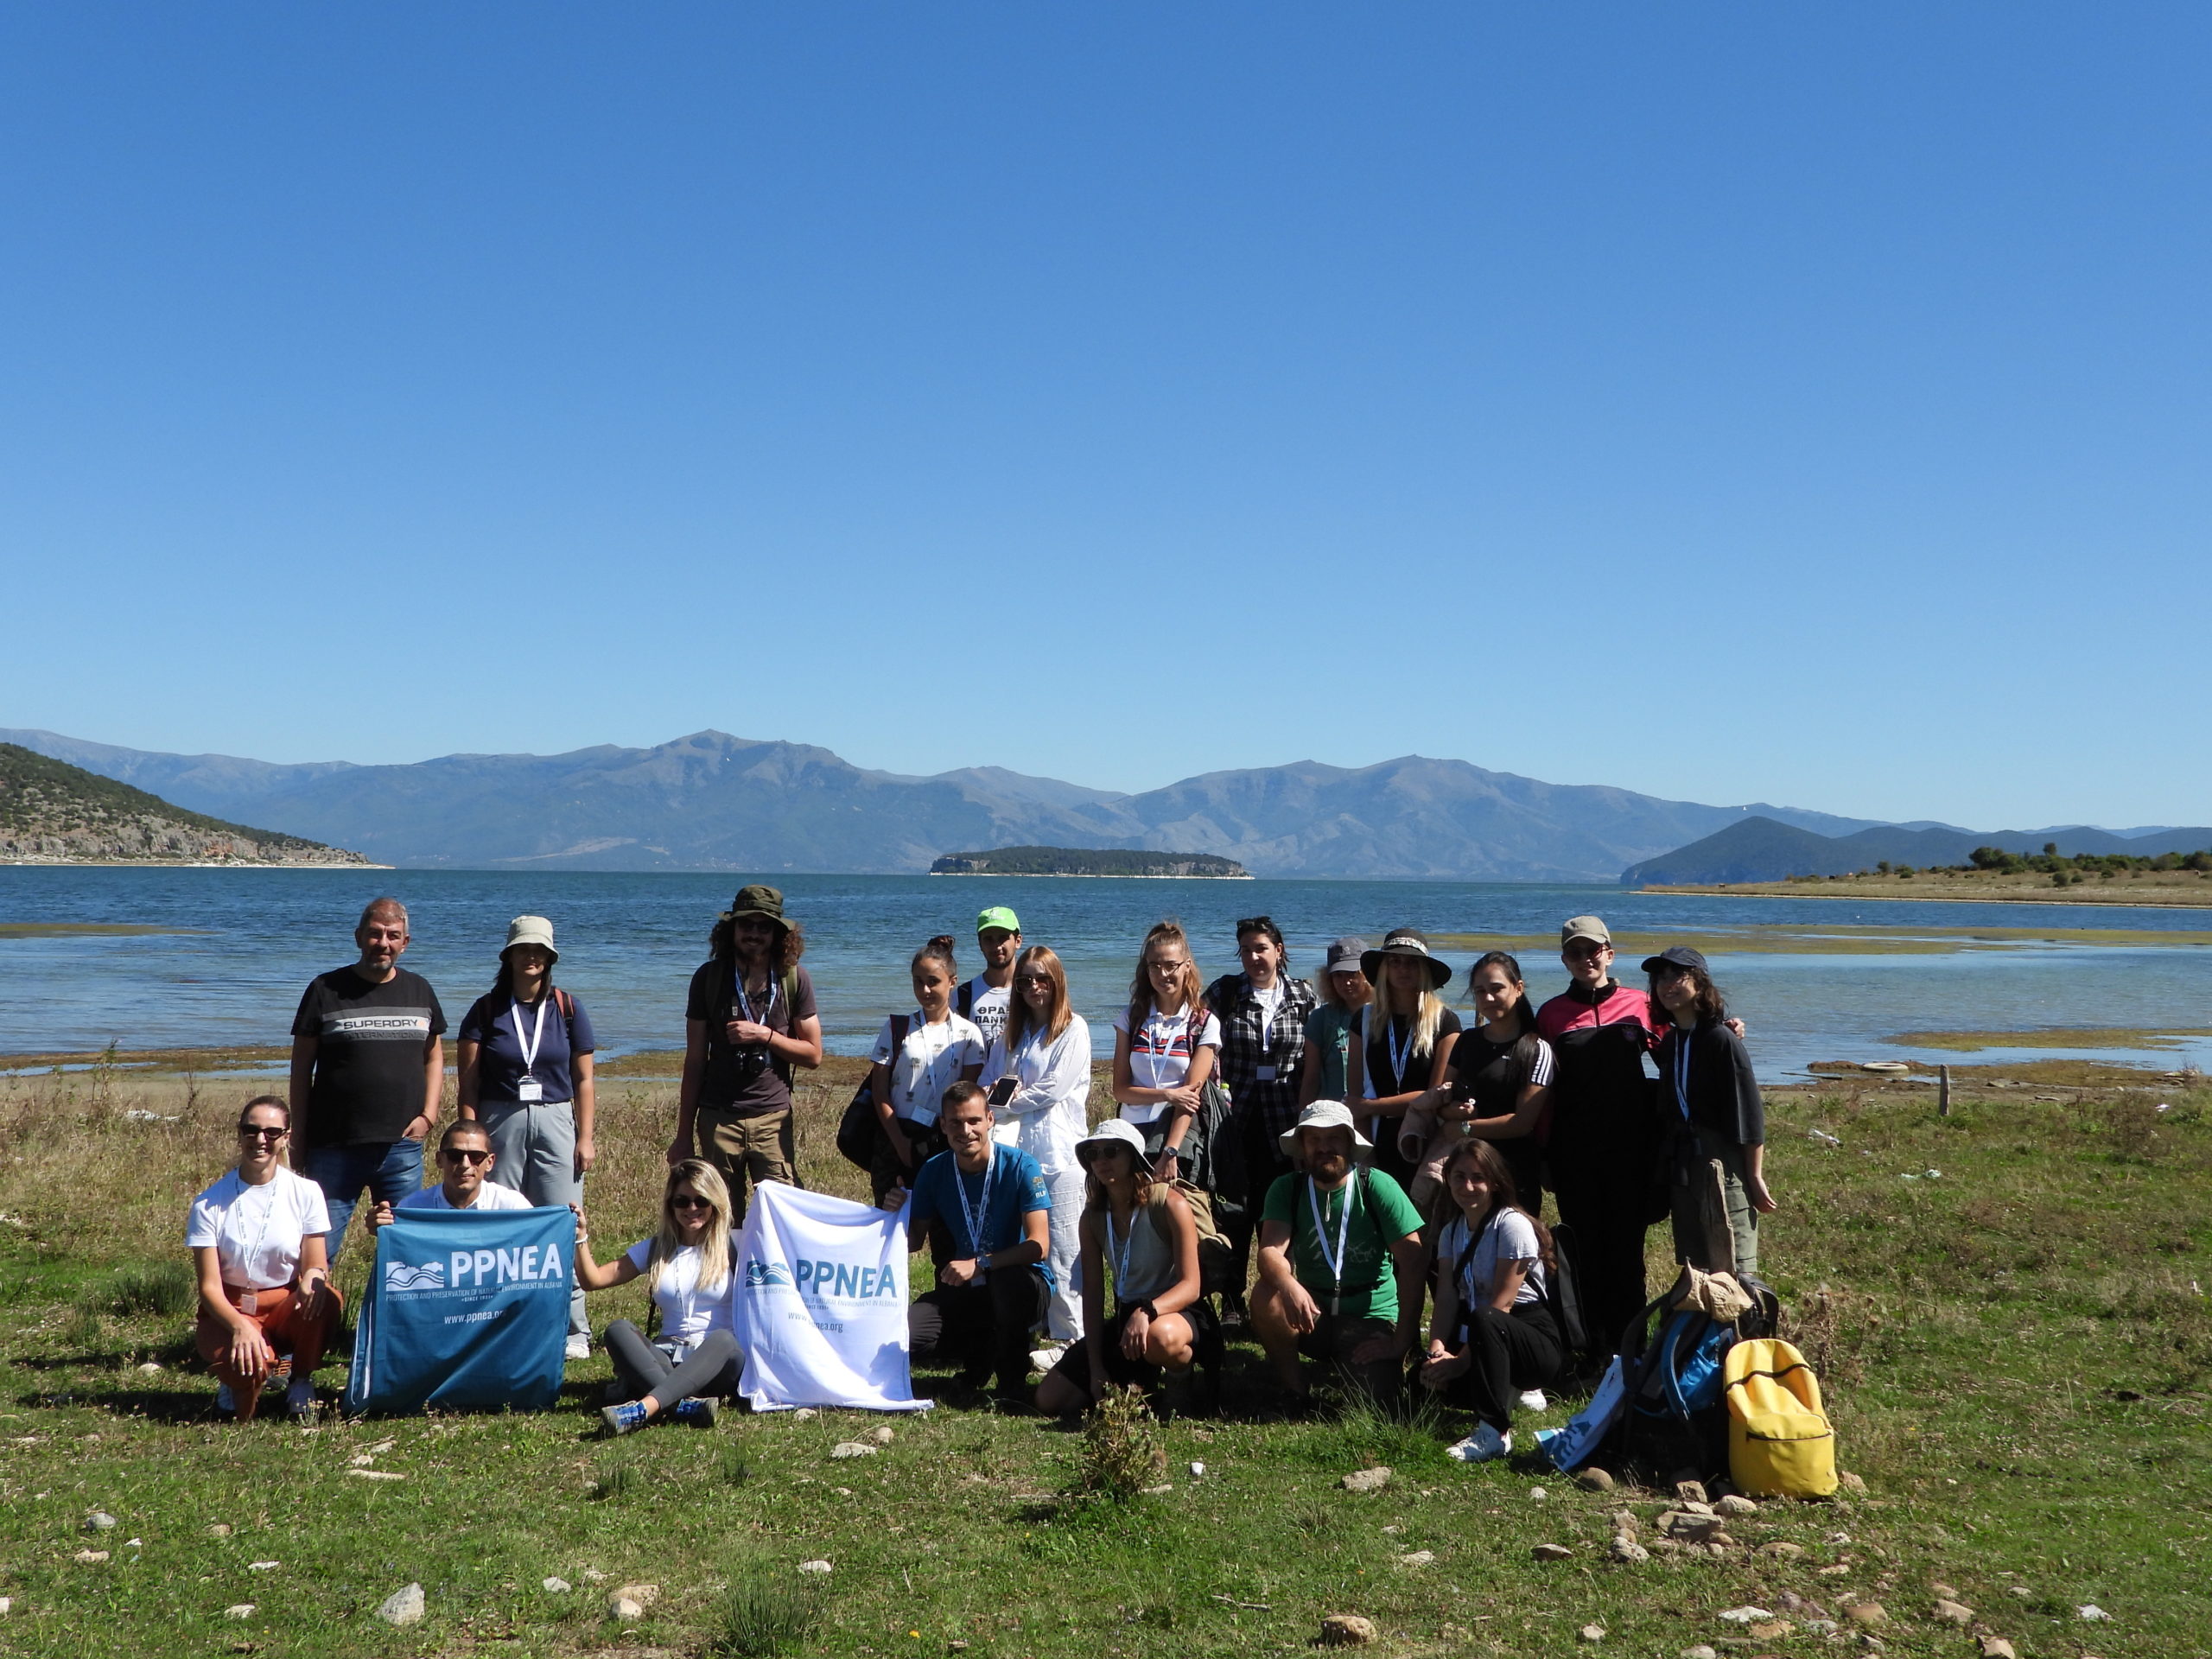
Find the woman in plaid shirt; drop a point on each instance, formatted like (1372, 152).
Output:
(1262, 1013)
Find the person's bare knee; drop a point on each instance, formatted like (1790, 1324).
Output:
(1057, 1397)
(1167, 1343)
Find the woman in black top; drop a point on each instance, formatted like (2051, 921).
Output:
(1401, 1045)
(1501, 1074)
(1712, 1110)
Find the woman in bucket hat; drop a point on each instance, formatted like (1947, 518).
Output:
(1140, 1229)
(748, 1020)
(1402, 1043)
(525, 1070)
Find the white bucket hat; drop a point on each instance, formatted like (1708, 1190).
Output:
(1324, 1114)
(1112, 1132)
(531, 929)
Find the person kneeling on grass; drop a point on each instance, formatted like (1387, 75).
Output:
(465, 1164)
(997, 1211)
(1326, 1237)
(687, 1269)
(1143, 1229)
(1491, 1332)
(257, 1238)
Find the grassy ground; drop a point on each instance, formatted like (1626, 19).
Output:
(2005, 1304)
(2187, 888)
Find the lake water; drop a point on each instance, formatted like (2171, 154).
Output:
(629, 942)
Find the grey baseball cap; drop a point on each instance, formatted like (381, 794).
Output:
(1344, 954)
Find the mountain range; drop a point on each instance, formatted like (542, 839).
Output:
(1762, 850)
(714, 802)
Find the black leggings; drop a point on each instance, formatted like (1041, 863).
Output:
(1515, 1350)
(981, 1327)
(710, 1368)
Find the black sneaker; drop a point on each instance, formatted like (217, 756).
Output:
(1233, 1314)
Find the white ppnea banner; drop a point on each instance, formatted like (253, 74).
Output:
(820, 1298)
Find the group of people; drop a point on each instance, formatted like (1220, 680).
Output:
(1383, 1157)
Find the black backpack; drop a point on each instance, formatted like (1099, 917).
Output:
(1563, 1296)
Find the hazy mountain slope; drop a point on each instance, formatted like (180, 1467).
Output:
(1760, 849)
(710, 801)
(51, 812)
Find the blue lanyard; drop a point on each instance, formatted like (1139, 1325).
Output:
(1682, 1072)
(978, 1214)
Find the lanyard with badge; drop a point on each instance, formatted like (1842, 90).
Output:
(1117, 1251)
(1270, 1016)
(529, 1088)
(745, 1000)
(1682, 1074)
(1163, 1049)
(1335, 1263)
(1399, 1054)
(925, 1081)
(250, 1300)
(978, 1214)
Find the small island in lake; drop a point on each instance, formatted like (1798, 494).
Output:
(1090, 861)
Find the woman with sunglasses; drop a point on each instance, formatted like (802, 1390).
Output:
(687, 1268)
(1038, 1078)
(1401, 1045)
(258, 1240)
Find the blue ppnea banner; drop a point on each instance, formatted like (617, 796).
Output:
(465, 1308)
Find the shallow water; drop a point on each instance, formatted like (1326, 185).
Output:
(629, 942)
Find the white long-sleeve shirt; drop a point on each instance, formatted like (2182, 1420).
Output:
(1050, 1108)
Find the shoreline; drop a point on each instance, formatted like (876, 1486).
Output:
(1079, 875)
(182, 864)
(2054, 896)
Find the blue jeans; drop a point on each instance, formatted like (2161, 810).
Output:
(389, 1171)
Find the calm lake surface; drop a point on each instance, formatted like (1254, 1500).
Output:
(629, 942)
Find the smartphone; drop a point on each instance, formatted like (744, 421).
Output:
(1002, 1090)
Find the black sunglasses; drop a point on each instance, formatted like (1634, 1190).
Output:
(263, 1131)
(693, 1203)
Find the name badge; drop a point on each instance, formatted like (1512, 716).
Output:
(529, 1088)
(1264, 1073)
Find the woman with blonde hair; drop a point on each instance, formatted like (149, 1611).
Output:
(1165, 1044)
(687, 1267)
(1401, 1043)
(1038, 1078)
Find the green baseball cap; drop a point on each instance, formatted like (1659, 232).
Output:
(998, 916)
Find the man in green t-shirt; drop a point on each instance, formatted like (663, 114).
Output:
(1340, 1260)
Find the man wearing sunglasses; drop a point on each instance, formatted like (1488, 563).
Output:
(465, 1158)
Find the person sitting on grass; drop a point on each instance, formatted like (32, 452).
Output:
(996, 1210)
(465, 1164)
(1143, 1229)
(1340, 1261)
(257, 1238)
(686, 1268)
(1492, 1333)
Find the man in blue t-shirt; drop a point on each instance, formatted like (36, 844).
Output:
(993, 1205)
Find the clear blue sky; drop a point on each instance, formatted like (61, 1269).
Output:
(1727, 403)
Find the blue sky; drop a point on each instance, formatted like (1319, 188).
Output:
(1723, 401)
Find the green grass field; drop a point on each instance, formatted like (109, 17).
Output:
(2006, 1306)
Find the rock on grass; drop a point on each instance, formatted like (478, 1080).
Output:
(1367, 1480)
(403, 1606)
(1346, 1631)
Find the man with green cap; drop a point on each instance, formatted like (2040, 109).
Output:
(749, 1020)
(982, 1000)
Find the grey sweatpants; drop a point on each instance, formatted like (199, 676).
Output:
(643, 1368)
(534, 1151)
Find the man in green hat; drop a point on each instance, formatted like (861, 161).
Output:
(749, 1020)
(984, 999)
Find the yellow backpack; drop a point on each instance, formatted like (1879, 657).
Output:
(1780, 1444)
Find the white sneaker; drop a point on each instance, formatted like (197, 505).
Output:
(1042, 1359)
(579, 1347)
(1484, 1444)
(1533, 1400)
(299, 1399)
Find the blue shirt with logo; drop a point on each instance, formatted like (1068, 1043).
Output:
(1015, 1189)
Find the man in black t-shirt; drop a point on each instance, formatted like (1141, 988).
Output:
(368, 1071)
(748, 1019)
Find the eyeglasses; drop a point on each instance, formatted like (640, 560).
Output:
(1158, 967)
(466, 1155)
(1033, 979)
(1588, 952)
(261, 1132)
(689, 1202)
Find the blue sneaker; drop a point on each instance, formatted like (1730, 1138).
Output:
(1484, 1444)
(625, 1419)
(698, 1412)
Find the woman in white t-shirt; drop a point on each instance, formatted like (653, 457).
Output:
(1039, 1080)
(1493, 1333)
(258, 1238)
(688, 1269)
(917, 1057)
(1165, 1044)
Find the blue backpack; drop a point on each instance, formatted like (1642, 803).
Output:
(1674, 1417)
